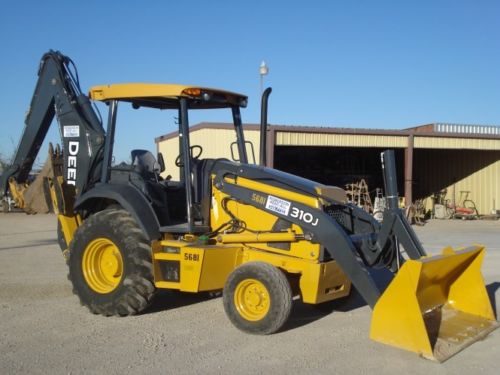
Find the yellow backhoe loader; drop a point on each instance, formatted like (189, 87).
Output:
(261, 235)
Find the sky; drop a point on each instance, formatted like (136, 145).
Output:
(365, 64)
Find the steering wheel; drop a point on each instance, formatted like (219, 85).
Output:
(191, 151)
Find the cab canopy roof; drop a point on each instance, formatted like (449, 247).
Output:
(167, 96)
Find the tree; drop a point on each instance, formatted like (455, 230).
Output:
(4, 163)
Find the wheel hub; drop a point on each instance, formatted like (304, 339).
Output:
(102, 265)
(252, 299)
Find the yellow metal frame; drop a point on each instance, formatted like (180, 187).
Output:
(200, 267)
(206, 267)
(53, 196)
(69, 224)
(318, 282)
(260, 220)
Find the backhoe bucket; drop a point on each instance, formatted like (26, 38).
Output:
(37, 195)
(435, 306)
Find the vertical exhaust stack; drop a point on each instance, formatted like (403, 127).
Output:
(263, 127)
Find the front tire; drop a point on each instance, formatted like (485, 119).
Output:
(110, 264)
(257, 298)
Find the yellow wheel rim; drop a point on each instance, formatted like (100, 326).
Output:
(102, 265)
(252, 299)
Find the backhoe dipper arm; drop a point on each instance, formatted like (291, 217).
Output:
(58, 93)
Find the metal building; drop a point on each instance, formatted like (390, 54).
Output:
(462, 159)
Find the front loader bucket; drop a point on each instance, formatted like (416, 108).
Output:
(435, 306)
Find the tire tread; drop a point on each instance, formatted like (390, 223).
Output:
(137, 289)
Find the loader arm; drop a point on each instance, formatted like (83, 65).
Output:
(357, 242)
(324, 231)
(58, 94)
(322, 228)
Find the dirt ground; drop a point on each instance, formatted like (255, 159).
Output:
(44, 330)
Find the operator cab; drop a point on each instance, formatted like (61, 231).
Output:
(178, 205)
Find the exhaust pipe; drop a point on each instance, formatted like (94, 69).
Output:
(390, 183)
(263, 127)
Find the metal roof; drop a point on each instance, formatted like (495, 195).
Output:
(166, 96)
(444, 127)
(430, 130)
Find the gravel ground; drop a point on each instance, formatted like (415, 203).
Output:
(43, 329)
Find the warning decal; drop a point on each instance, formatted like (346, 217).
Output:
(71, 131)
(278, 205)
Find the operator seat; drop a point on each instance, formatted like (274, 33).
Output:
(145, 164)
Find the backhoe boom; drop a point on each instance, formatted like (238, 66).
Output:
(58, 94)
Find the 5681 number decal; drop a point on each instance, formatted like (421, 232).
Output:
(192, 257)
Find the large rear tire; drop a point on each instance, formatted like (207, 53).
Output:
(110, 264)
(257, 298)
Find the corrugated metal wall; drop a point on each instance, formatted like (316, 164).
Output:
(457, 143)
(216, 143)
(468, 164)
(458, 164)
(341, 140)
(458, 170)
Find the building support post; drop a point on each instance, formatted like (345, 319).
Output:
(409, 171)
(270, 142)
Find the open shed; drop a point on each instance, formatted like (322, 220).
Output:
(463, 160)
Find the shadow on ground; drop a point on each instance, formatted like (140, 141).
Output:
(302, 313)
(491, 289)
(173, 299)
(33, 244)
